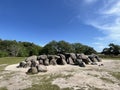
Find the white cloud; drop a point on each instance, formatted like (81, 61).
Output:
(90, 1)
(108, 21)
(103, 15)
(113, 10)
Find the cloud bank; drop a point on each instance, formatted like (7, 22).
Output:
(89, 1)
(103, 16)
(107, 21)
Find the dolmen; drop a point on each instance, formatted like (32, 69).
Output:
(39, 63)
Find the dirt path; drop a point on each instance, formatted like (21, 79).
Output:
(92, 77)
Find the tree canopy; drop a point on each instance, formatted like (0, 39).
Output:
(65, 47)
(113, 49)
(14, 48)
(23, 49)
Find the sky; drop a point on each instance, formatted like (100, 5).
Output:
(95, 23)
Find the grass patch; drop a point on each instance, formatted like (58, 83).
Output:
(94, 75)
(95, 88)
(45, 86)
(49, 77)
(110, 57)
(11, 60)
(107, 80)
(7, 76)
(116, 75)
(2, 67)
(91, 88)
(44, 82)
(3, 88)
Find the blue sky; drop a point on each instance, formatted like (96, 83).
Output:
(95, 23)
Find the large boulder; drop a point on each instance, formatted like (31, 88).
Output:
(80, 62)
(31, 58)
(52, 59)
(34, 63)
(94, 58)
(70, 58)
(41, 62)
(41, 68)
(22, 64)
(73, 56)
(43, 59)
(62, 59)
(84, 58)
(28, 64)
(53, 62)
(46, 62)
(98, 58)
(70, 61)
(32, 70)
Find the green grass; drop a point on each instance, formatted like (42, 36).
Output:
(46, 86)
(111, 58)
(11, 60)
(94, 88)
(3, 88)
(2, 68)
(45, 82)
(107, 80)
(94, 75)
(116, 75)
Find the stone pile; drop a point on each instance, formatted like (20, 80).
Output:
(39, 63)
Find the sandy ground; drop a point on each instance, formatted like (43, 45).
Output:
(91, 77)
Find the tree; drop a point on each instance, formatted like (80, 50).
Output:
(14, 48)
(112, 50)
(106, 51)
(65, 47)
(25, 49)
(88, 50)
(50, 48)
(78, 47)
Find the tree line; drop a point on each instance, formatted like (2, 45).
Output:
(24, 49)
(21, 49)
(113, 49)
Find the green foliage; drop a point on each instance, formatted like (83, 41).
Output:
(64, 47)
(78, 48)
(113, 57)
(3, 88)
(112, 50)
(3, 54)
(50, 48)
(45, 82)
(46, 86)
(20, 49)
(11, 60)
(107, 80)
(25, 49)
(116, 75)
(93, 88)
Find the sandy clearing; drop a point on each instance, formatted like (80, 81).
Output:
(81, 78)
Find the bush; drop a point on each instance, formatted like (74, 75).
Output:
(3, 54)
(109, 56)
